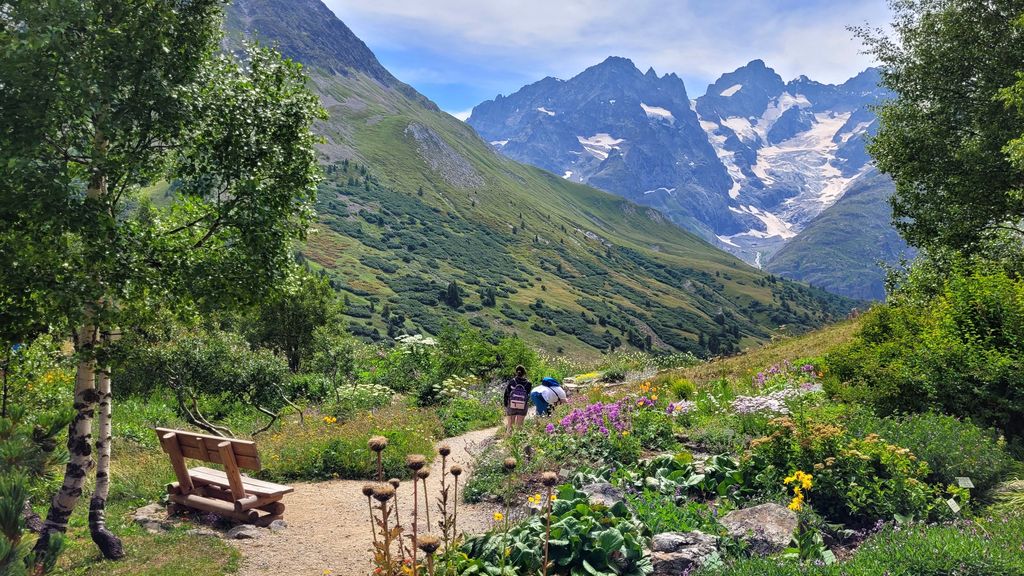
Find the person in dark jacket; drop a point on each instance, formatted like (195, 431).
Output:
(516, 399)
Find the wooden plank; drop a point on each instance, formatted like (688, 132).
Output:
(248, 503)
(227, 456)
(169, 441)
(252, 485)
(242, 447)
(247, 462)
(274, 508)
(215, 506)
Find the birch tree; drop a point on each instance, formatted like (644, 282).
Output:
(140, 169)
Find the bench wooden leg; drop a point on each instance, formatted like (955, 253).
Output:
(220, 507)
(265, 521)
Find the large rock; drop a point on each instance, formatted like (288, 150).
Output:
(768, 528)
(603, 493)
(674, 553)
(152, 518)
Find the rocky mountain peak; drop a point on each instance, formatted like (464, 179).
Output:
(307, 31)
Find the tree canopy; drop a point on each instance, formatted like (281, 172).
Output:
(141, 169)
(946, 137)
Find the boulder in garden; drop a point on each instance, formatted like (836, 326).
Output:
(767, 528)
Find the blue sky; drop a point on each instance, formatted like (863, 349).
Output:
(462, 52)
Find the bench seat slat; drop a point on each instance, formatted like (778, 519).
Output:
(203, 475)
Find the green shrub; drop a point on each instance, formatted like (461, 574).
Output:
(349, 401)
(653, 429)
(987, 547)
(460, 415)
(585, 539)
(857, 481)
(960, 352)
(313, 387)
(658, 514)
(678, 387)
(951, 447)
(323, 449)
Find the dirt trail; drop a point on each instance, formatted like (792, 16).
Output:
(328, 523)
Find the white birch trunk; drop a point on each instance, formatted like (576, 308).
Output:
(108, 543)
(80, 460)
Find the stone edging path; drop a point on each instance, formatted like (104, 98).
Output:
(329, 526)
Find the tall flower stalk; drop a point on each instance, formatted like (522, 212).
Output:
(445, 523)
(377, 444)
(509, 465)
(395, 483)
(548, 479)
(415, 462)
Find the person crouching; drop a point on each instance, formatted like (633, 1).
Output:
(546, 395)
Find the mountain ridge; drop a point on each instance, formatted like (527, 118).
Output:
(783, 151)
(417, 209)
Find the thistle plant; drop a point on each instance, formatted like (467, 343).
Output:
(395, 483)
(368, 492)
(456, 471)
(446, 521)
(429, 544)
(548, 479)
(377, 444)
(385, 563)
(415, 462)
(422, 474)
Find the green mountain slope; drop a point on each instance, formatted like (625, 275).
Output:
(841, 249)
(423, 224)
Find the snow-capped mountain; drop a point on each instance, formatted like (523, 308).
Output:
(619, 129)
(791, 149)
(747, 165)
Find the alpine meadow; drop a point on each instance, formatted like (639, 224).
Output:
(268, 309)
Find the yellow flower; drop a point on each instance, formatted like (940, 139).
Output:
(625, 432)
(498, 516)
(654, 397)
(797, 503)
(553, 497)
(508, 552)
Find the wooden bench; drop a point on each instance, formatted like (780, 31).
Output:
(227, 493)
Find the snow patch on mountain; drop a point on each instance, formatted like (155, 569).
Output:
(727, 157)
(600, 145)
(567, 175)
(743, 129)
(545, 111)
(656, 113)
(669, 191)
(731, 90)
(774, 226)
(499, 143)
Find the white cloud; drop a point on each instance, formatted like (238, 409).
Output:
(698, 39)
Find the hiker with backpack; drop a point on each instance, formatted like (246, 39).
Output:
(515, 399)
(547, 395)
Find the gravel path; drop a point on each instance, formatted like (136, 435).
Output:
(328, 523)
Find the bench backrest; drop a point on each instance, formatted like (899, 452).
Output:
(205, 447)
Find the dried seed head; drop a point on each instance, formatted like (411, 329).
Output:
(549, 479)
(444, 450)
(456, 470)
(509, 464)
(368, 490)
(423, 473)
(428, 543)
(394, 483)
(415, 461)
(377, 443)
(383, 492)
